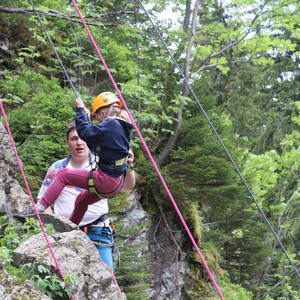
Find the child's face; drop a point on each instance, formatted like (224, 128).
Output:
(109, 111)
(99, 115)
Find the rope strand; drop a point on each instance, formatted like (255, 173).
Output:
(71, 84)
(149, 154)
(20, 164)
(30, 195)
(222, 144)
(56, 53)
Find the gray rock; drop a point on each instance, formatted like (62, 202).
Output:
(77, 257)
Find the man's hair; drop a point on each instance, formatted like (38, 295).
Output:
(71, 126)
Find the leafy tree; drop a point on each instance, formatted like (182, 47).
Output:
(241, 59)
(39, 111)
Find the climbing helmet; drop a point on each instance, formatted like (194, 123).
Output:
(105, 99)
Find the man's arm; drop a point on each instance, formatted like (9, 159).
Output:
(129, 182)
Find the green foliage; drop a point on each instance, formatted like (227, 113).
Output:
(38, 111)
(263, 177)
(133, 273)
(234, 291)
(244, 69)
(53, 286)
(12, 234)
(119, 203)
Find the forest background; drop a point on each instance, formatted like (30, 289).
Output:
(241, 59)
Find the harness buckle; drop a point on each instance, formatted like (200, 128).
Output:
(91, 185)
(120, 162)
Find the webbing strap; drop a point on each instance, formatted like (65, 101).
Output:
(92, 188)
(120, 162)
(91, 185)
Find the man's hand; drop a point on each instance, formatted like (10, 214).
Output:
(130, 158)
(129, 182)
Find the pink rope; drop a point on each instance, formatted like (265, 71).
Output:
(149, 154)
(114, 279)
(30, 195)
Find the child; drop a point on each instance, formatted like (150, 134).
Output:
(110, 140)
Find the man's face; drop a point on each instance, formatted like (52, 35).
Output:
(76, 146)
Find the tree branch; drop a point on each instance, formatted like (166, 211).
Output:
(56, 14)
(229, 45)
(173, 138)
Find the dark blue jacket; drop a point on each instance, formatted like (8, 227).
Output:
(112, 135)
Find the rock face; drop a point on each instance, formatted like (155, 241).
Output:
(78, 257)
(12, 196)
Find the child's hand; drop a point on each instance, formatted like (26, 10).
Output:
(124, 115)
(130, 158)
(79, 103)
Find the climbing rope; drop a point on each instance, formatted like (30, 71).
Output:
(148, 153)
(56, 53)
(30, 195)
(221, 142)
(19, 162)
(75, 93)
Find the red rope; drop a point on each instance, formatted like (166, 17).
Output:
(30, 195)
(114, 279)
(149, 154)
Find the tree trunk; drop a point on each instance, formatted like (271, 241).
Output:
(185, 90)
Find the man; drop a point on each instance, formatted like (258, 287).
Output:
(95, 221)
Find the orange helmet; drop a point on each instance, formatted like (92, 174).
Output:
(105, 99)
